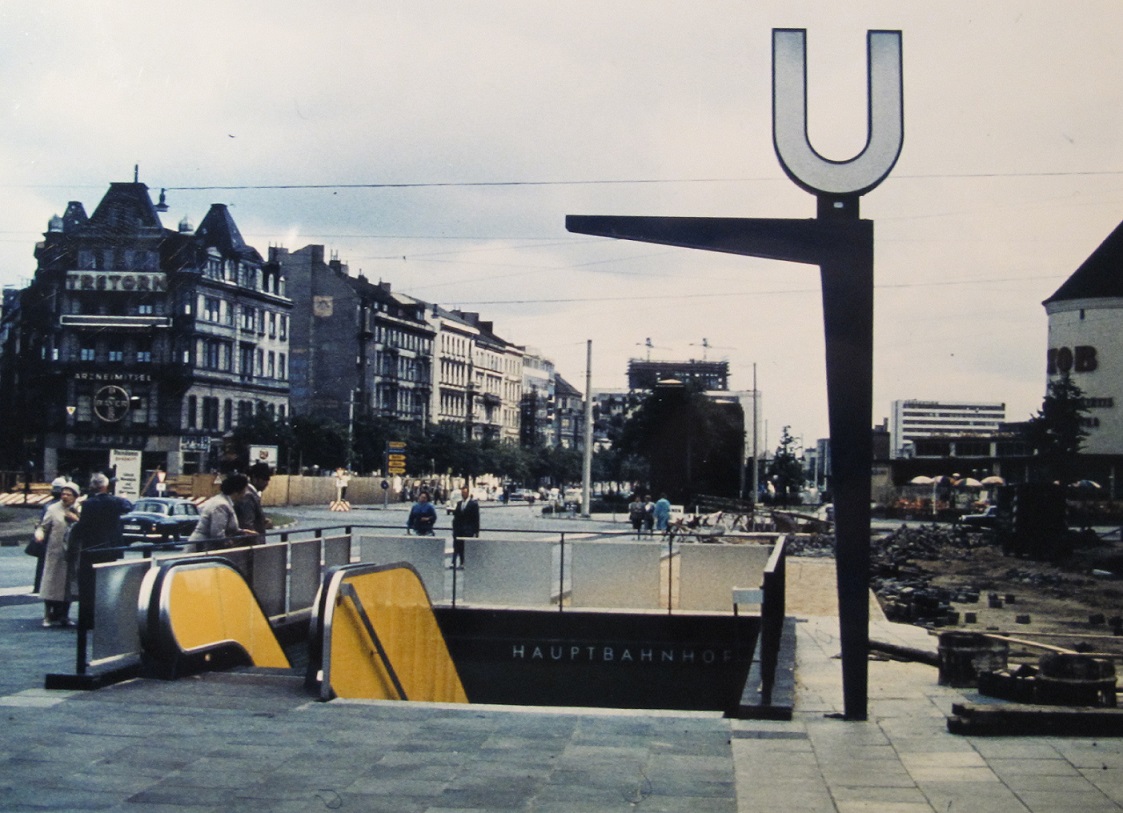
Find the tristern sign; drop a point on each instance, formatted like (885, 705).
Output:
(115, 281)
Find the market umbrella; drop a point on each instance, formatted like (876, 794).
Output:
(993, 480)
(1086, 485)
(968, 482)
(921, 480)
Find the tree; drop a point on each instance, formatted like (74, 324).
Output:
(691, 444)
(785, 470)
(319, 442)
(1057, 432)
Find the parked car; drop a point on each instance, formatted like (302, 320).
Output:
(159, 519)
(986, 521)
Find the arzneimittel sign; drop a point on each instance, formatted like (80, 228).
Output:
(115, 281)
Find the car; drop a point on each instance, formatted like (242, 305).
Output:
(986, 521)
(159, 520)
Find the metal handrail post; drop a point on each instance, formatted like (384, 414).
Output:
(561, 575)
(670, 573)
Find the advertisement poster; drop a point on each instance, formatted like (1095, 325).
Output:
(264, 454)
(126, 462)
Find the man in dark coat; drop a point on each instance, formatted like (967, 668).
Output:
(94, 536)
(465, 522)
(248, 509)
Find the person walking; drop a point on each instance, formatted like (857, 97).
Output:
(662, 513)
(635, 514)
(218, 523)
(465, 523)
(248, 510)
(57, 588)
(648, 515)
(422, 516)
(56, 491)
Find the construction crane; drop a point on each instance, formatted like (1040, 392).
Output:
(706, 346)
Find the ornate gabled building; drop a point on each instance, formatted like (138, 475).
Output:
(133, 336)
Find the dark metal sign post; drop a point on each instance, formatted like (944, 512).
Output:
(841, 244)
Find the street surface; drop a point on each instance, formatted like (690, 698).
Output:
(17, 570)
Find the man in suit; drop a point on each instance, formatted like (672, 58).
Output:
(465, 523)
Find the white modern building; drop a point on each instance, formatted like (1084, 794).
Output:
(915, 421)
(1086, 342)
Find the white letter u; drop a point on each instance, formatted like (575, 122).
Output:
(886, 131)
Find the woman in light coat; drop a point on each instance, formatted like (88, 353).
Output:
(58, 568)
(218, 523)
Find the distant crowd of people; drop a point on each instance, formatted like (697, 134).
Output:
(646, 516)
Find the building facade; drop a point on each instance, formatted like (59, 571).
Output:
(453, 363)
(569, 415)
(358, 348)
(709, 375)
(136, 337)
(926, 428)
(537, 424)
(497, 377)
(1085, 341)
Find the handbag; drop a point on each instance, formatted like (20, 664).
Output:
(37, 546)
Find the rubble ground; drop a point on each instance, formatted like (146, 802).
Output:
(939, 576)
(936, 576)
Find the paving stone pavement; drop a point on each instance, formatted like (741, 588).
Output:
(244, 741)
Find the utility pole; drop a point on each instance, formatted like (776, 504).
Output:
(756, 465)
(587, 462)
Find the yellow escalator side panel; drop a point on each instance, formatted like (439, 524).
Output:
(210, 605)
(398, 608)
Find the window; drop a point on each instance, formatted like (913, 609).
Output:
(138, 409)
(87, 351)
(116, 353)
(271, 369)
(258, 362)
(228, 414)
(192, 417)
(144, 352)
(210, 413)
(145, 309)
(212, 309)
(246, 362)
(272, 325)
(282, 371)
(284, 327)
(249, 317)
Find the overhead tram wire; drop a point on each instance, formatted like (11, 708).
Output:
(623, 181)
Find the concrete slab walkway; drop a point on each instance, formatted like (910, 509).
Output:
(240, 741)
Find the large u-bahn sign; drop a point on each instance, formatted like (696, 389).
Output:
(841, 244)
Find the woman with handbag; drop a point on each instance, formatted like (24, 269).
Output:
(56, 589)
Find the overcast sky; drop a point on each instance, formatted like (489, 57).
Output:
(396, 127)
